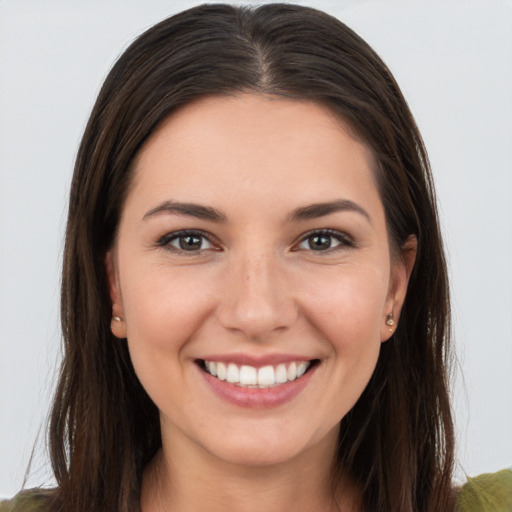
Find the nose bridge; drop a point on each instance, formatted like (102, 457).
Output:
(257, 300)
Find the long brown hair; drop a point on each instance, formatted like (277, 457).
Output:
(397, 441)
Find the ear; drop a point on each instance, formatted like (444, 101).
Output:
(118, 324)
(400, 274)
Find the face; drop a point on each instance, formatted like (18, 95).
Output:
(252, 275)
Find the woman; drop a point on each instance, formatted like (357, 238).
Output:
(254, 298)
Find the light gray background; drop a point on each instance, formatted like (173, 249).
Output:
(453, 60)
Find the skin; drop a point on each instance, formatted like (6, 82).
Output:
(254, 285)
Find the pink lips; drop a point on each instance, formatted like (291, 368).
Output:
(256, 397)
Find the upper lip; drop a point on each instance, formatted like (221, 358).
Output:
(255, 361)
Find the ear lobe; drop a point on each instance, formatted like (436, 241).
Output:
(401, 274)
(117, 325)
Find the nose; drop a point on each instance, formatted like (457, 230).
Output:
(257, 299)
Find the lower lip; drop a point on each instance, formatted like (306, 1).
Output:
(257, 398)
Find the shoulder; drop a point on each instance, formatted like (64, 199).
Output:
(33, 500)
(490, 492)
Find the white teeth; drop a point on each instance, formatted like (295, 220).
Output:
(264, 377)
(232, 374)
(248, 376)
(301, 369)
(212, 368)
(292, 372)
(221, 371)
(281, 374)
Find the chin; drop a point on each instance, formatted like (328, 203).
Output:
(254, 456)
(271, 446)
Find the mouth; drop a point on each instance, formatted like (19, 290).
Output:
(245, 376)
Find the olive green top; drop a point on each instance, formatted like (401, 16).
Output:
(32, 500)
(491, 492)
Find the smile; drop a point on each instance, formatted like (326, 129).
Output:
(246, 376)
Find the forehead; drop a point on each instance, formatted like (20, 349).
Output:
(280, 148)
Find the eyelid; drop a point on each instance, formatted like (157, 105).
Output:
(345, 240)
(165, 240)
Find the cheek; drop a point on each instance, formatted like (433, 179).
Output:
(347, 312)
(164, 310)
(161, 304)
(347, 306)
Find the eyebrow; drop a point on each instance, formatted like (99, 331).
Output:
(191, 209)
(317, 210)
(312, 211)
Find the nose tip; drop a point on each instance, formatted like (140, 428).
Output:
(257, 302)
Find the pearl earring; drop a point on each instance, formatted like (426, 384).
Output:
(390, 321)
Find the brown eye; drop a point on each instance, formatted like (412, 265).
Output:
(186, 241)
(324, 241)
(190, 242)
(319, 242)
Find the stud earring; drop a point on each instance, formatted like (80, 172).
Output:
(390, 321)
(117, 327)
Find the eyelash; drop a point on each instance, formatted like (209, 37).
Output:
(166, 240)
(343, 240)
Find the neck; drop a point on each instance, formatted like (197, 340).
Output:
(185, 480)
